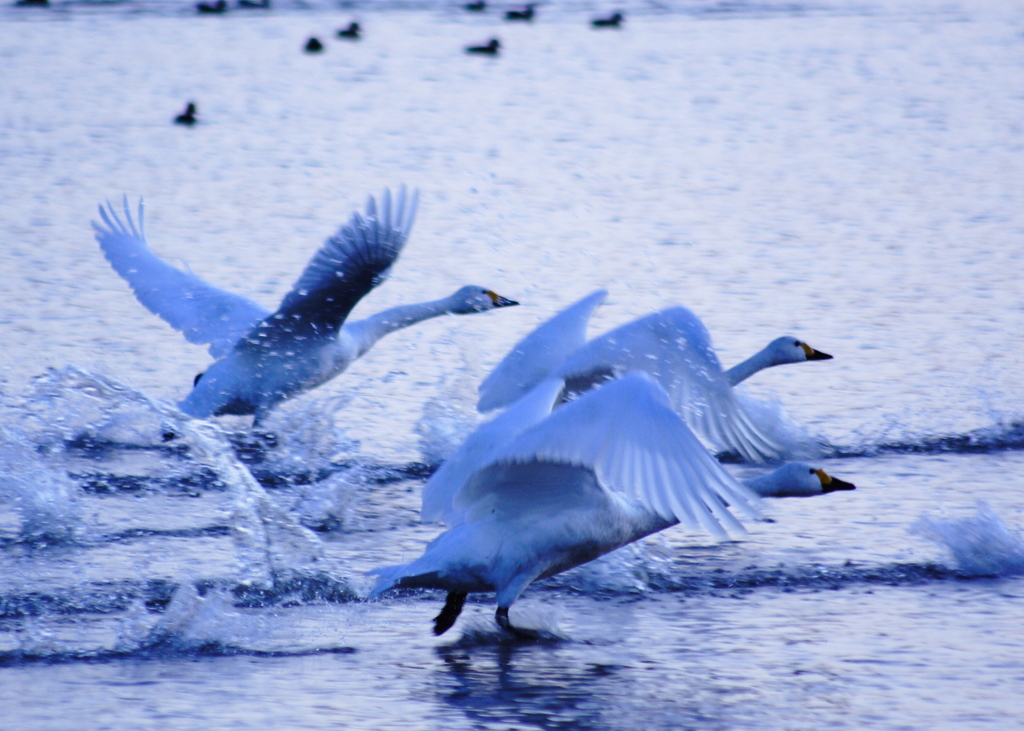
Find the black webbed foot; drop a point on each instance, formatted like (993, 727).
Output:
(501, 616)
(452, 608)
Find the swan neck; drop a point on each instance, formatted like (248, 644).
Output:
(757, 362)
(369, 331)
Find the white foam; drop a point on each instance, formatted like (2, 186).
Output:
(451, 416)
(980, 546)
(770, 417)
(41, 493)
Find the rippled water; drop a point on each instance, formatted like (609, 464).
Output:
(848, 173)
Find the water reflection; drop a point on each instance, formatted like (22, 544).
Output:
(534, 684)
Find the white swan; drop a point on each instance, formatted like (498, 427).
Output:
(797, 479)
(605, 470)
(671, 345)
(269, 357)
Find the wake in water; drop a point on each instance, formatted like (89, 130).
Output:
(1000, 437)
(980, 546)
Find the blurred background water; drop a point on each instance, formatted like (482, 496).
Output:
(849, 173)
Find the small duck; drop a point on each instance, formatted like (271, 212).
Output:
(254, 4)
(525, 14)
(313, 45)
(188, 118)
(477, 7)
(32, 3)
(351, 32)
(220, 6)
(612, 21)
(491, 48)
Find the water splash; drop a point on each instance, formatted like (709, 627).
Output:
(795, 440)
(980, 546)
(328, 505)
(450, 416)
(72, 407)
(43, 496)
(69, 405)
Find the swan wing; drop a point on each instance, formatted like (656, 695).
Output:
(627, 434)
(534, 357)
(481, 447)
(202, 312)
(350, 264)
(674, 347)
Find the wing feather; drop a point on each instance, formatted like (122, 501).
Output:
(628, 435)
(480, 448)
(534, 357)
(203, 313)
(674, 347)
(350, 263)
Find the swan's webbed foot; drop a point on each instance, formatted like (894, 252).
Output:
(452, 608)
(501, 617)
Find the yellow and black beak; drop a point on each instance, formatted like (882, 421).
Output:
(813, 354)
(831, 484)
(500, 301)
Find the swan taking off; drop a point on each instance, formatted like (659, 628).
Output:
(672, 345)
(267, 357)
(604, 470)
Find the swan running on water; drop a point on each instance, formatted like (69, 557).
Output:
(672, 345)
(606, 469)
(267, 357)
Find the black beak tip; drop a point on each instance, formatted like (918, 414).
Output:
(505, 302)
(838, 484)
(818, 355)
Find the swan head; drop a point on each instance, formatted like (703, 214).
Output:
(797, 479)
(472, 298)
(791, 350)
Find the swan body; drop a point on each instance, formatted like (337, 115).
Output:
(672, 345)
(266, 357)
(797, 479)
(605, 470)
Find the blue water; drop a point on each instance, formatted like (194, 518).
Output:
(849, 173)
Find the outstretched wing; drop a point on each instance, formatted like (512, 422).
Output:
(627, 434)
(481, 447)
(351, 263)
(534, 357)
(674, 347)
(202, 312)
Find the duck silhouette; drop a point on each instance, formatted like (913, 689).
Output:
(477, 7)
(313, 45)
(612, 21)
(351, 32)
(32, 3)
(491, 48)
(188, 117)
(525, 14)
(220, 6)
(254, 4)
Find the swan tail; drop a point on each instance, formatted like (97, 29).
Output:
(387, 578)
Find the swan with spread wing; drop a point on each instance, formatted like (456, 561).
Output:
(606, 469)
(671, 345)
(266, 357)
